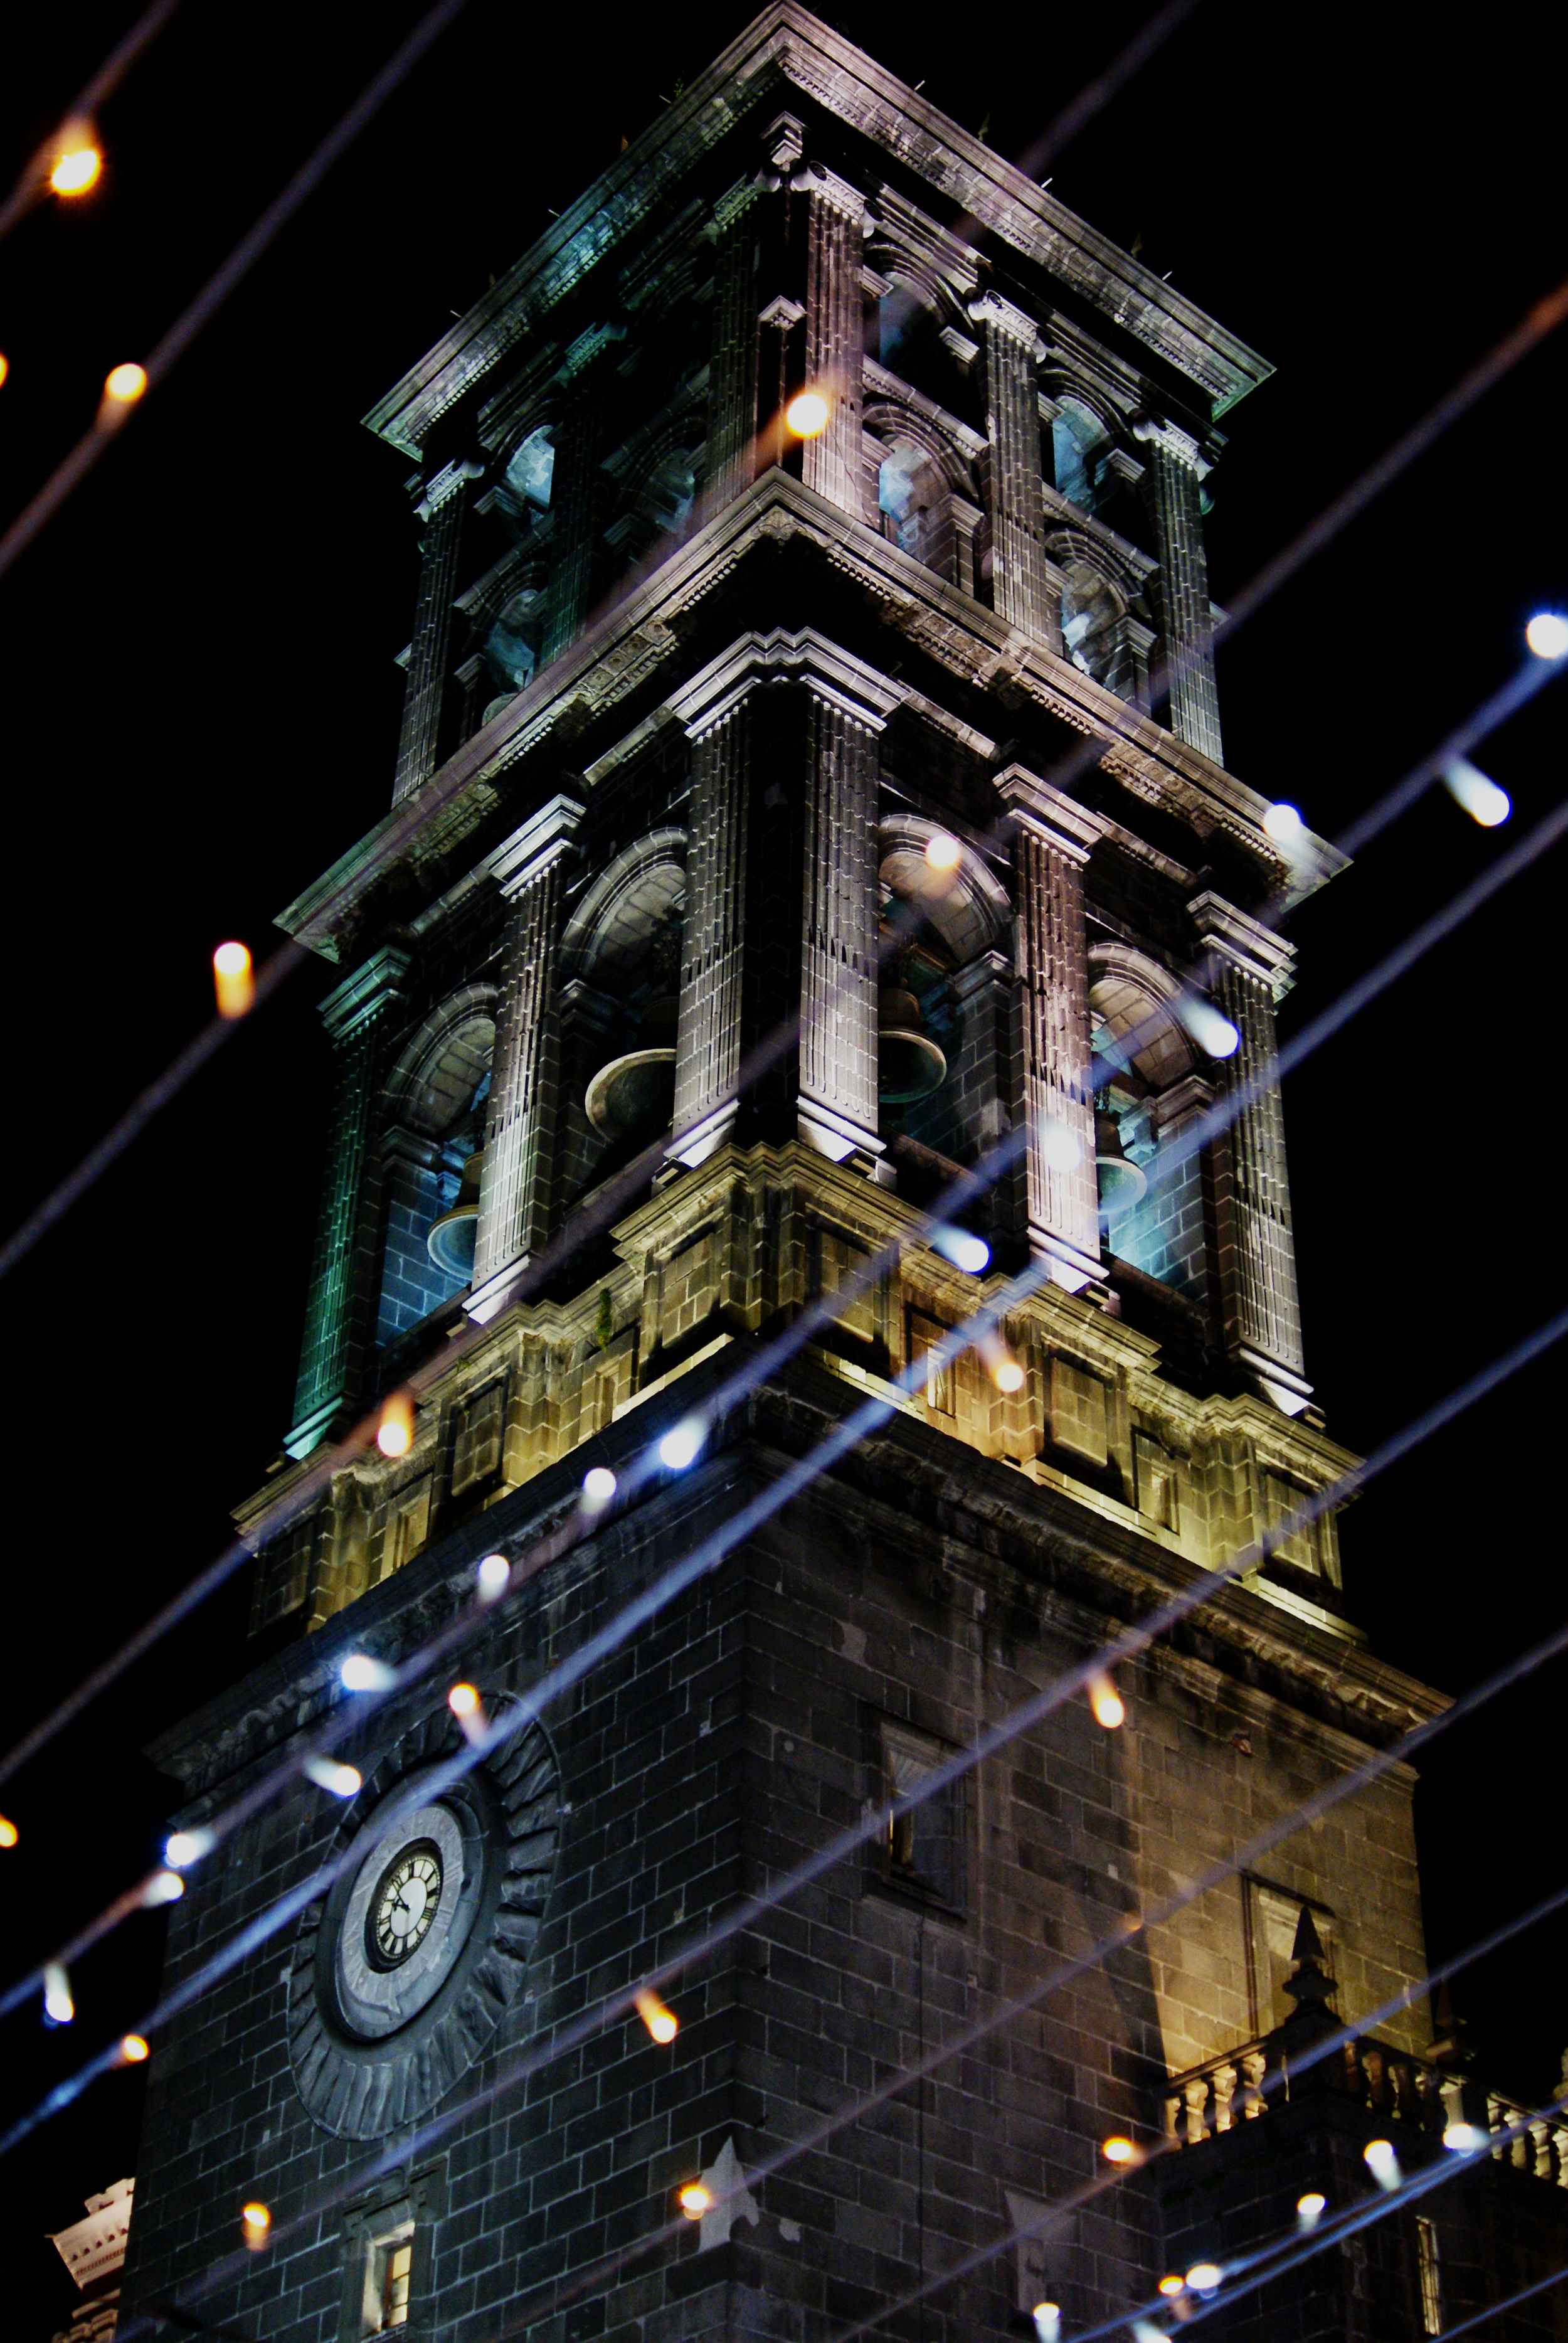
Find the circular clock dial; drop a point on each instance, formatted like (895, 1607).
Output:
(407, 1899)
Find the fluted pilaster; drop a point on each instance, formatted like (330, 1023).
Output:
(444, 510)
(1018, 506)
(1184, 587)
(732, 421)
(831, 463)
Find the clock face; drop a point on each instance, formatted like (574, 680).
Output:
(406, 1901)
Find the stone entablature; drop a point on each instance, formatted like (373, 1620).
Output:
(746, 1240)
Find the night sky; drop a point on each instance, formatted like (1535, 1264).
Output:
(200, 714)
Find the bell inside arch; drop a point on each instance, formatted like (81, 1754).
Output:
(636, 1091)
(450, 1243)
(1121, 1184)
(910, 1065)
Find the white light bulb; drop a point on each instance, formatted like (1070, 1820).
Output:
(682, 1443)
(599, 1488)
(1310, 2208)
(58, 2005)
(1205, 2276)
(493, 1577)
(1480, 796)
(163, 1887)
(1547, 635)
(962, 1248)
(359, 1672)
(342, 1781)
(1383, 2163)
(1211, 1030)
(1462, 2139)
(1059, 1147)
(184, 1847)
(1048, 2322)
(1283, 824)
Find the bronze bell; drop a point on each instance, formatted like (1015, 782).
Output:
(910, 1065)
(636, 1091)
(450, 1243)
(1121, 1184)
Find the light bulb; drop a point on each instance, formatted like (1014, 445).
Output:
(806, 414)
(1461, 2138)
(1383, 2163)
(660, 2022)
(1109, 1707)
(76, 166)
(58, 2005)
(943, 851)
(163, 1887)
(357, 1672)
(1205, 2276)
(1476, 791)
(682, 1443)
(962, 1248)
(1048, 2322)
(133, 2049)
(493, 1577)
(1547, 635)
(1117, 2149)
(599, 1488)
(1310, 2208)
(1173, 2284)
(1006, 1371)
(695, 2199)
(124, 384)
(9, 1834)
(463, 1700)
(184, 1847)
(394, 1432)
(1283, 824)
(256, 2221)
(233, 979)
(1212, 1031)
(343, 1781)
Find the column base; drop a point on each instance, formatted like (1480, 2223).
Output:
(1070, 1267)
(488, 1297)
(703, 1139)
(843, 1141)
(1289, 1390)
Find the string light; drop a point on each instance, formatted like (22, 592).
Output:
(184, 1847)
(1310, 2208)
(9, 1834)
(394, 1432)
(343, 1781)
(962, 1248)
(1048, 2322)
(466, 1705)
(1476, 791)
(358, 1671)
(124, 384)
(59, 2007)
(233, 979)
(1117, 2149)
(943, 851)
(256, 2221)
(682, 1443)
(1205, 2276)
(163, 1887)
(493, 1577)
(77, 164)
(1547, 635)
(1109, 1707)
(1383, 2163)
(1172, 2284)
(599, 1487)
(1212, 1031)
(1284, 825)
(806, 414)
(133, 2049)
(5, 366)
(660, 2022)
(695, 2199)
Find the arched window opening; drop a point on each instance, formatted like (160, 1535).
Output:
(667, 496)
(1143, 1060)
(933, 923)
(511, 647)
(1091, 631)
(623, 958)
(529, 475)
(434, 1156)
(910, 344)
(916, 507)
(1080, 444)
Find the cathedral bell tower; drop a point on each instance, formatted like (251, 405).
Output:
(792, 515)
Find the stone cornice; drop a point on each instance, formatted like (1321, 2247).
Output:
(635, 642)
(1070, 828)
(543, 838)
(862, 692)
(787, 49)
(1246, 941)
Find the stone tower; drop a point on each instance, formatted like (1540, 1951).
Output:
(726, 909)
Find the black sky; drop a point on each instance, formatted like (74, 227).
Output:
(200, 710)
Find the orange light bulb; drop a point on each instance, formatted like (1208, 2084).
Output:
(76, 166)
(806, 414)
(695, 2199)
(133, 2049)
(233, 979)
(394, 1432)
(660, 2022)
(124, 384)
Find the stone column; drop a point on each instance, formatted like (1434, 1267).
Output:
(1183, 585)
(357, 1017)
(835, 337)
(517, 1192)
(781, 893)
(1255, 1258)
(1054, 836)
(575, 486)
(732, 419)
(443, 510)
(985, 992)
(1017, 505)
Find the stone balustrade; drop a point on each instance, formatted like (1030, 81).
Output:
(1243, 2083)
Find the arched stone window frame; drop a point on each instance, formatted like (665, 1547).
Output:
(417, 1112)
(948, 546)
(970, 912)
(634, 539)
(1129, 640)
(523, 566)
(598, 948)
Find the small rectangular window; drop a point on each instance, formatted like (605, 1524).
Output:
(924, 1851)
(1430, 2276)
(925, 1333)
(388, 2270)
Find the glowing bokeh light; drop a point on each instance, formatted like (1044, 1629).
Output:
(463, 1700)
(58, 2005)
(1461, 2137)
(184, 1847)
(256, 2221)
(124, 384)
(133, 2049)
(233, 979)
(1283, 824)
(806, 414)
(943, 851)
(1310, 2208)
(1059, 1146)
(1383, 2163)
(76, 167)
(9, 1834)
(1008, 1373)
(1048, 2322)
(1117, 2149)
(343, 1781)
(5, 366)
(962, 1248)
(1547, 635)
(493, 1577)
(695, 2199)
(394, 1432)
(599, 1488)
(1110, 1709)
(1476, 791)
(1172, 2284)
(660, 2022)
(357, 1672)
(1205, 2276)
(1211, 1030)
(682, 1443)
(163, 1887)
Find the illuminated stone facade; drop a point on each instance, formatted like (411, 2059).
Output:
(689, 698)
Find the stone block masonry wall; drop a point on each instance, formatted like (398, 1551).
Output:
(1165, 1236)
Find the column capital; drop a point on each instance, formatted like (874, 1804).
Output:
(446, 484)
(825, 186)
(361, 996)
(1172, 440)
(1072, 828)
(990, 310)
(834, 675)
(542, 841)
(1245, 942)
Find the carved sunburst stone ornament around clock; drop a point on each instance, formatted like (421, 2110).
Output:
(404, 1969)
